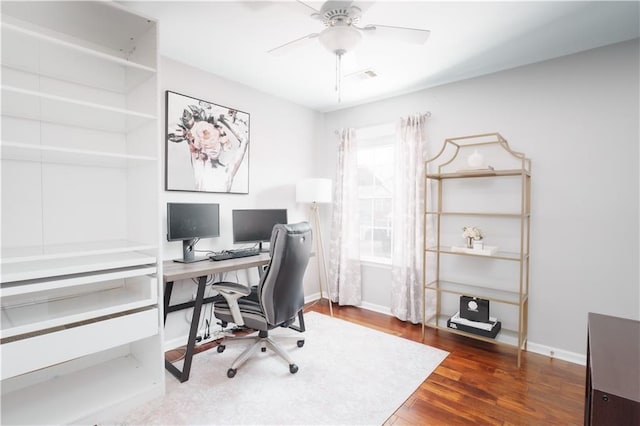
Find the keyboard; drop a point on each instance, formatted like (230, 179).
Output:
(235, 253)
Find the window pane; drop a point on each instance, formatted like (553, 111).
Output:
(366, 212)
(382, 212)
(382, 243)
(375, 180)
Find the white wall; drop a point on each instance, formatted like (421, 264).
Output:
(576, 117)
(281, 152)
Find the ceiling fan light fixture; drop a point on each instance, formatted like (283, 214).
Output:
(340, 39)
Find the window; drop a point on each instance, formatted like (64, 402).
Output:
(375, 190)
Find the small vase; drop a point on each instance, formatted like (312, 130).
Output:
(469, 242)
(475, 160)
(478, 244)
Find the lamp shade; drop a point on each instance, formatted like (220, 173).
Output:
(312, 190)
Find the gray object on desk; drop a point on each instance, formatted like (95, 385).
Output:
(276, 301)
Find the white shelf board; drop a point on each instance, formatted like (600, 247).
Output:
(29, 270)
(74, 112)
(71, 397)
(55, 313)
(61, 251)
(53, 283)
(53, 42)
(51, 154)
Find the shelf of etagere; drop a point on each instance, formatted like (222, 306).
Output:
(478, 174)
(505, 337)
(474, 290)
(487, 214)
(502, 255)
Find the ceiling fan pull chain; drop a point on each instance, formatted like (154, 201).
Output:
(339, 78)
(336, 73)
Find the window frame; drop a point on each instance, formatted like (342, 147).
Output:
(369, 137)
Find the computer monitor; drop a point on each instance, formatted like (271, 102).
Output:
(255, 225)
(188, 222)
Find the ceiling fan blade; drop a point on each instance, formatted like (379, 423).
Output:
(408, 35)
(311, 8)
(294, 44)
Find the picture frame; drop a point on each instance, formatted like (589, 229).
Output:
(206, 146)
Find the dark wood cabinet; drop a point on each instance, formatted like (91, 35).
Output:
(612, 395)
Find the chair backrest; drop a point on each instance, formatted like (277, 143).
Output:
(281, 288)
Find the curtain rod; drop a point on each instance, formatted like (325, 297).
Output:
(425, 114)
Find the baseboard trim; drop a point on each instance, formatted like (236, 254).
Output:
(312, 298)
(556, 353)
(364, 305)
(376, 308)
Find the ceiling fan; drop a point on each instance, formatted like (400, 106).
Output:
(343, 34)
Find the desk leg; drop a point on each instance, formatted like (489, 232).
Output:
(183, 375)
(168, 288)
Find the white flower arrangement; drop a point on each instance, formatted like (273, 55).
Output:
(472, 232)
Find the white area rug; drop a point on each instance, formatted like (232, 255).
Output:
(349, 375)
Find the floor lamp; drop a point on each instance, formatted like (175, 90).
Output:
(316, 191)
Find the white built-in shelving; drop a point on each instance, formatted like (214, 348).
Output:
(80, 331)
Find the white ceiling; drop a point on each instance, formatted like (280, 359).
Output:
(231, 39)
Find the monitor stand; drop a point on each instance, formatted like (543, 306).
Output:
(261, 249)
(188, 253)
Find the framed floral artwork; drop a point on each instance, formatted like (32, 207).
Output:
(207, 146)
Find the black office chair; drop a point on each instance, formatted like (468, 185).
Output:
(275, 301)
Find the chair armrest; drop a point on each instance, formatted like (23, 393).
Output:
(232, 287)
(232, 292)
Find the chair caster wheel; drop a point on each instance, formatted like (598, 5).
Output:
(231, 373)
(293, 369)
(221, 348)
(300, 343)
(263, 349)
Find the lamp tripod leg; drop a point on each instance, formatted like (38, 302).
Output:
(322, 265)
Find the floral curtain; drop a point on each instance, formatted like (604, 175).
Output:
(408, 219)
(345, 282)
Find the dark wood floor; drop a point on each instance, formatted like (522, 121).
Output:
(479, 383)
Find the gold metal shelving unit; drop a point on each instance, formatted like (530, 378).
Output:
(510, 164)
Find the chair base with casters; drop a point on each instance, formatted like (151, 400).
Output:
(262, 341)
(275, 302)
